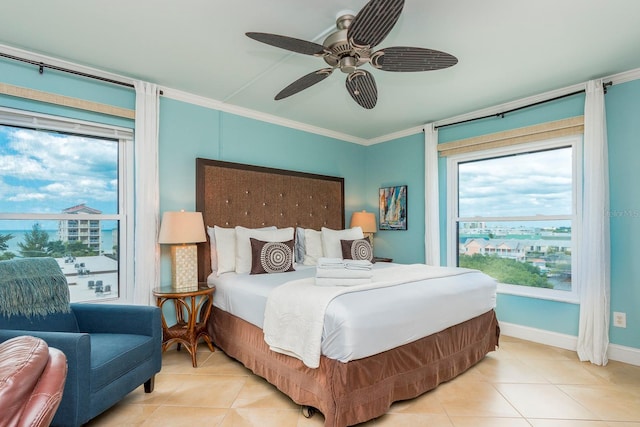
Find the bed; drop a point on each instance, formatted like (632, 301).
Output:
(348, 391)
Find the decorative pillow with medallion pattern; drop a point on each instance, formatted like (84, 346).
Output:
(271, 257)
(359, 249)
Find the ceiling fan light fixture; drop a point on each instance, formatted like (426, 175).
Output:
(344, 19)
(350, 47)
(348, 64)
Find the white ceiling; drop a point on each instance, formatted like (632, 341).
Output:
(507, 50)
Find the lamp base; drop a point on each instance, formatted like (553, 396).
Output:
(369, 236)
(184, 267)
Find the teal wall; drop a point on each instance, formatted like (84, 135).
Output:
(27, 76)
(406, 155)
(255, 142)
(623, 130)
(188, 131)
(399, 162)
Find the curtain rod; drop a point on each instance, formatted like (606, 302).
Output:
(41, 66)
(502, 114)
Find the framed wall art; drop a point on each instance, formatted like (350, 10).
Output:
(393, 208)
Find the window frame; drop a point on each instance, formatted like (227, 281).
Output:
(575, 142)
(124, 138)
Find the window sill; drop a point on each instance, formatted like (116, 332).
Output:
(546, 294)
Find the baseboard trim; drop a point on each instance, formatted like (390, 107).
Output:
(624, 354)
(616, 352)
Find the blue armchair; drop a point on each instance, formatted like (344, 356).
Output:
(111, 349)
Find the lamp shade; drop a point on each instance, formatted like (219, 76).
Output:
(182, 227)
(365, 220)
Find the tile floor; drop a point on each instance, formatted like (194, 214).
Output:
(522, 384)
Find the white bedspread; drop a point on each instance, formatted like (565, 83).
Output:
(295, 312)
(361, 324)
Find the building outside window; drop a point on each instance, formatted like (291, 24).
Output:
(62, 195)
(87, 232)
(512, 212)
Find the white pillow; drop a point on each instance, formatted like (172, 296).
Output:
(312, 246)
(243, 244)
(212, 249)
(225, 240)
(331, 240)
(299, 245)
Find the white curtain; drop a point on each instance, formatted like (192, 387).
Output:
(431, 196)
(593, 262)
(147, 206)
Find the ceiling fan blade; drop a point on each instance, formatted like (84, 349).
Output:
(304, 82)
(402, 58)
(289, 43)
(374, 21)
(362, 87)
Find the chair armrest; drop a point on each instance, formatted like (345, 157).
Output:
(47, 394)
(118, 319)
(72, 344)
(77, 348)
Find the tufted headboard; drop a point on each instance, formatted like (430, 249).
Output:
(230, 194)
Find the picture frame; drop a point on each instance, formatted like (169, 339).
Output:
(392, 202)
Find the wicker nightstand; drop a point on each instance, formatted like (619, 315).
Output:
(189, 328)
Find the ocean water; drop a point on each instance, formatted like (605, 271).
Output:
(18, 237)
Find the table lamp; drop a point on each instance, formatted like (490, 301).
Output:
(366, 221)
(182, 230)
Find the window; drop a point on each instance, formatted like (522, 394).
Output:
(63, 187)
(512, 213)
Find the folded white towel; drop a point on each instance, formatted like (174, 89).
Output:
(327, 281)
(357, 264)
(339, 263)
(343, 273)
(330, 263)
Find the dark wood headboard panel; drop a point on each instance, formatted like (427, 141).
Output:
(230, 194)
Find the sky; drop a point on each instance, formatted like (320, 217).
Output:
(47, 172)
(523, 185)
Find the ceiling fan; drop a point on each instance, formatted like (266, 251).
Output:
(351, 46)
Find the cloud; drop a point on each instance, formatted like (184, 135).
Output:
(48, 172)
(523, 185)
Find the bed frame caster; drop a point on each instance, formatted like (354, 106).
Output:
(308, 411)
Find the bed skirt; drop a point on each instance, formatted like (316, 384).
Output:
(359, 390)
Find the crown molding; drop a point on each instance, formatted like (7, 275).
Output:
(518, 103)
(31, 56)
(257, 115)
(185, 97)
(395, 135)
(624, 77)
(618, 78)
(493, 110)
